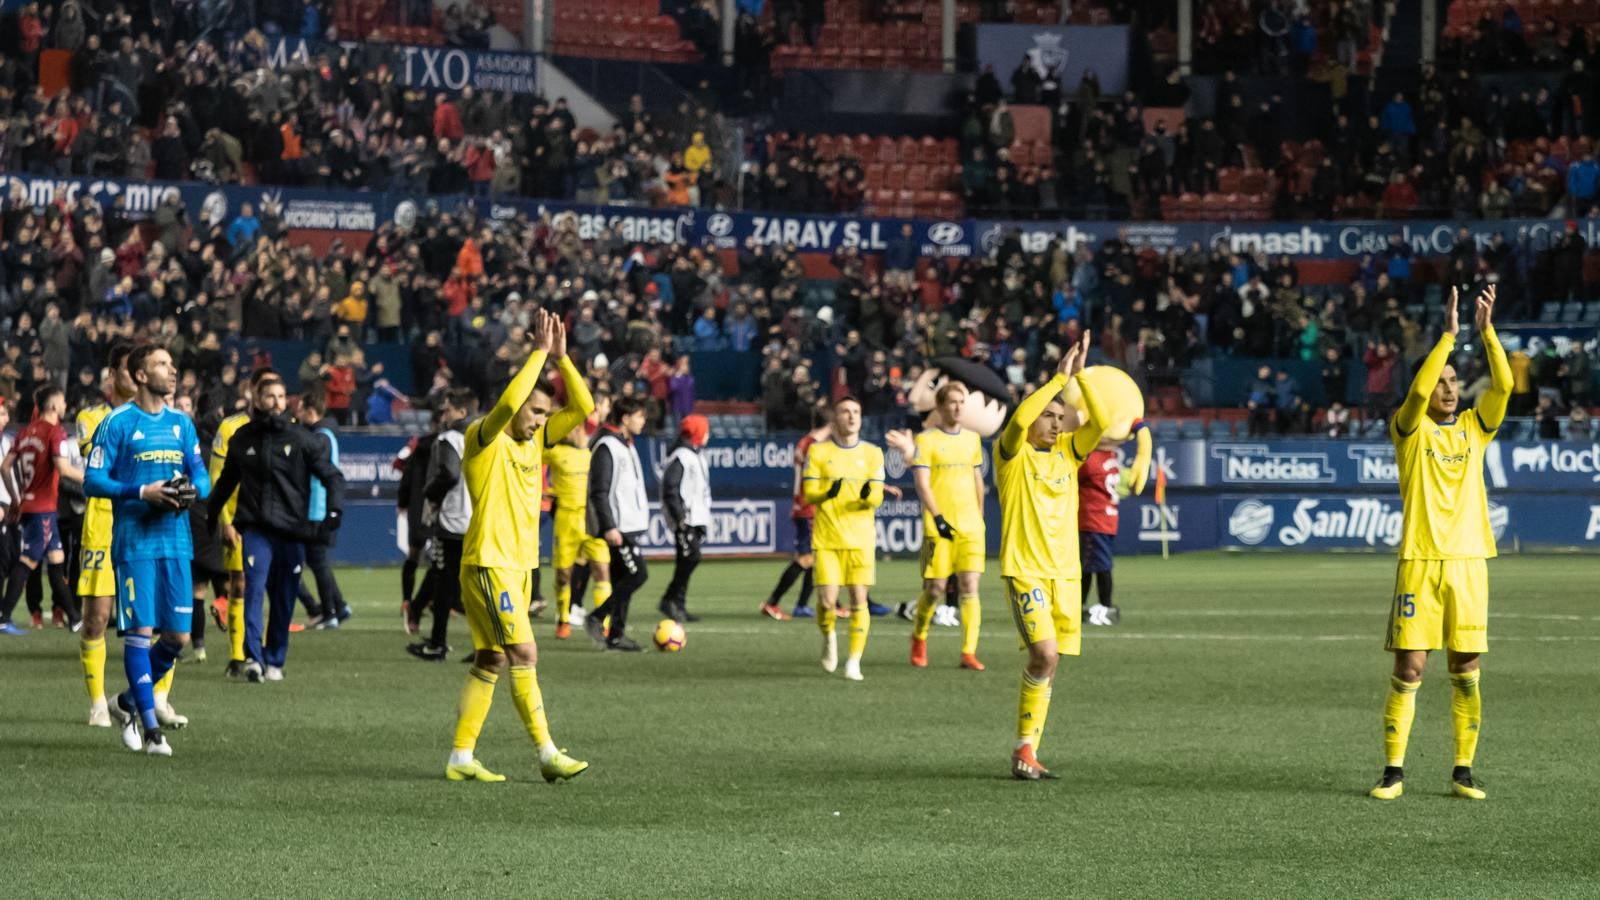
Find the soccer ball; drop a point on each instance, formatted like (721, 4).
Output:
(669, 636)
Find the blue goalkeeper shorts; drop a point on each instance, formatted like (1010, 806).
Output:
(155, 593)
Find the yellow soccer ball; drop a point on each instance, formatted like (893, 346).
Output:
(669, 636)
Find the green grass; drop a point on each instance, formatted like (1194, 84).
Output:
(1218, 744)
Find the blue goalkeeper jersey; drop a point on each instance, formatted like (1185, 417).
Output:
(132, 448)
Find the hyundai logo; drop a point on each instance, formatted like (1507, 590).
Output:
(946, 233)
(720, 225)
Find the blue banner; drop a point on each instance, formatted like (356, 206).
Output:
(1527, 466)
(363, 211)
(1071, 50)
(430, 69)
(1333, 521)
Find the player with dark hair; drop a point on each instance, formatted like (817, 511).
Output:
(145, 457)
(503, 471)
(273, 462)
(412, 461)
(1441, 593)
(844, 480)
(619, 512)
(332, 610)
(232, 552)
(33, 469)
(97, 578)
(577, 555)
(803, 515)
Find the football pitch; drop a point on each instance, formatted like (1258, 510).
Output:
(1219, 743)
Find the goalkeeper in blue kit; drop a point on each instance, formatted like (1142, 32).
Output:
(145, 458)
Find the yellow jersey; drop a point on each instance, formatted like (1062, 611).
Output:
(953, 461)
(219, 455)
(1445, 508)
(504, 480)
(845, 522)
(569, 476)
(97, 514)
(1039, 511)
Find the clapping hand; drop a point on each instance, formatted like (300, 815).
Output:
(1485, 310)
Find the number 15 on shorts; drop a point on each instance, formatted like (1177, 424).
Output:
(1405, 606)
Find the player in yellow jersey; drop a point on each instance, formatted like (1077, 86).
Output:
(844, 481)
(232, 550)
(1036, 461)
(97, 580)
(502, 466)
(947, 465)
(1441, 593)
(568, 460)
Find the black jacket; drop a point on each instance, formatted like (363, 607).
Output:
(271, 461)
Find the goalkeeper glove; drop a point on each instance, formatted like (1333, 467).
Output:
(180, 490)
(866, 490)
(833, 489)
(944, 529)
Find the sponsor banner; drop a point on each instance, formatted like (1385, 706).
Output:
(453, 68)
(630, 223)
(139, 198)
(1530, 466)
(824, 234)
(1332, 521)
(1071, 50)
(1187, 522)
(1347, 241)
(431, 69)
(738, 527)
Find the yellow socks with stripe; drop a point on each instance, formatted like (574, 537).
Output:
(163, 687)
(1466, 711)
(826, 618)
(1032, 707)
(926, 604)
(236, 629)
(476, 696)
(530, 706)
(1398, 712)
(860, 624)
(563, 602)
(92, 653)
(971, 621)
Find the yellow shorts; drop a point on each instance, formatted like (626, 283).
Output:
(574, 543)
(496, 601)
(942, 558)
(96, 577)
(1048, 607)
(232, 556)
(841, 567)
(1440, 604)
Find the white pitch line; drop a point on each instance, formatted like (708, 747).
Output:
(1179, 636)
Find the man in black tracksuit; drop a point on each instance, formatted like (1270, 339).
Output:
(413, 479)
(271, 460)
(619, 513)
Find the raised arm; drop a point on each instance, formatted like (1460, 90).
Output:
(1409, 417)
(1088, 435)
(1015, 433)
(516, 393)
(580, 403)
(1492, 406)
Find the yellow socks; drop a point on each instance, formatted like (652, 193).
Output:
(1032, 707)
(236, 629)
(563, 602)
(860, 624)
(530, 706)
(1466, 711)
(971, 621)
(1398, 712)
(926, 604)
(602, 593)
(164, 687)
(476, 696)
(826, 618)
(92, 653)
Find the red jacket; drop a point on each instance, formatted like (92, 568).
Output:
(341, 383)
(480, 163)
(447, 122)
(1097, 493)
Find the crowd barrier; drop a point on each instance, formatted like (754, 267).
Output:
(363, 211)
(1289, 495)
